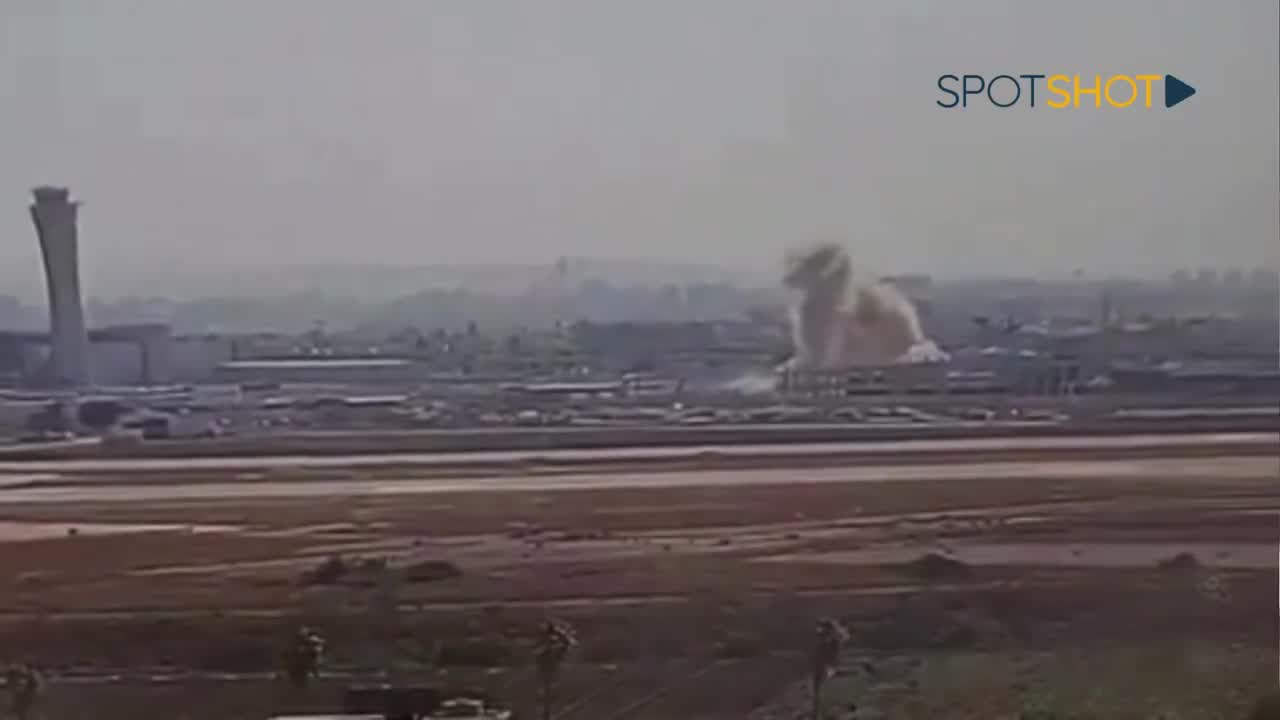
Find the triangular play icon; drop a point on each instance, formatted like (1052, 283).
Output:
(1175, 91)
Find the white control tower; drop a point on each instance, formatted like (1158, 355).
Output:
(54, 215)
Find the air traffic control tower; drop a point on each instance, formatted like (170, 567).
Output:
(54, 215)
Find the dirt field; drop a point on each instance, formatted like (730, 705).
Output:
(1088, 585)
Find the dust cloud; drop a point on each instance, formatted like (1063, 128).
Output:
(841, 320)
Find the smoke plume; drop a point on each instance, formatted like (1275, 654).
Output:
(841, 321)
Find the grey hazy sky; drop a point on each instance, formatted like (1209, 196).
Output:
(419, 131)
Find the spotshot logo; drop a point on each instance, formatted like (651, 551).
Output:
(1060, 91)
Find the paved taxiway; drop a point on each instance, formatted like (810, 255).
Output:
(1063, 460)
(1227, 443)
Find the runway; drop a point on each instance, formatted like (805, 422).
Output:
(404, 481)
(346, 447)
(1227, 443)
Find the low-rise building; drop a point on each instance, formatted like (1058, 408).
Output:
(353, 370)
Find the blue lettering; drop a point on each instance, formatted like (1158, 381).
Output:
(982, 84)
(1017, 91)
(955, 97)
(1033, 79)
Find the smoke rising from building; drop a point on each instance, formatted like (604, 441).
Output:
(841, 320)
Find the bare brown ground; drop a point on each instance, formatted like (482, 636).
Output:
(692, 602)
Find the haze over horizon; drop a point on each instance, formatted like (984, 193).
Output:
(240, 134)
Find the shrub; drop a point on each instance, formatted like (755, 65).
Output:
(1181, 561)
(934, 566)
(331, 571)
(432, 571)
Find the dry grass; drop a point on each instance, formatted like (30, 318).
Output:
(711, 631)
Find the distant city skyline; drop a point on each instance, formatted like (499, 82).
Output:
(208, 138)
(374, 283)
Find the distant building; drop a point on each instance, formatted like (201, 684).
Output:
(120, 355)
(196, 357)
(902, 379)
(684, 349)
(358, 370)
(1206, 381)
(132, 354)
(1263, 278)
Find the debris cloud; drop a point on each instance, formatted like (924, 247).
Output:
(841, 320)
